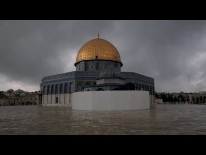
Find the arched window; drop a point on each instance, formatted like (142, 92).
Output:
(152, 91)
(44, 90)
(61, 89)
(136, 86)
(92, 83)
(52, 89)
(116, 64)
(71, 87)
(79, 86)
(100, 89)
(97, 66)
(66, 88)
(48, 89)
(87, 84)
(56, 89)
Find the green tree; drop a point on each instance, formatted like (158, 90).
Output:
(2, 96)
(188, 98)
(193, 99)
(156, 95)
(175, 99)
(204, 99)
(198, 100)
(170, 99)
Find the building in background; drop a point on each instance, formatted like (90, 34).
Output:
(11, 98)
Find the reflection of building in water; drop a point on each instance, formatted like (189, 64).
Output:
(98, 68)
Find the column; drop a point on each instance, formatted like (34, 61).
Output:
(69, 87)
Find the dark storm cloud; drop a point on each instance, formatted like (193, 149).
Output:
(172, 52)
(33, 49)
(165, 50)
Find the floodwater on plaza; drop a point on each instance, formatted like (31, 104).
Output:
(168, 119)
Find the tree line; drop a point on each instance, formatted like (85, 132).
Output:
(180, 98)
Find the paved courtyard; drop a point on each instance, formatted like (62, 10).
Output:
(170, 119)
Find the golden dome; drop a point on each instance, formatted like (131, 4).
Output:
(98, 48)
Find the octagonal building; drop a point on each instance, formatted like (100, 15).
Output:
(98, 67)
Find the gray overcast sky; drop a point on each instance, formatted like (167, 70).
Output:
(172, 52)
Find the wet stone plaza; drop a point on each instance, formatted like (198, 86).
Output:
(168, 119)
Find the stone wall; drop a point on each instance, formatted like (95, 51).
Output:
(159, 101)
(4, 102)
(111, 80)
(101, 100)
(56, 99)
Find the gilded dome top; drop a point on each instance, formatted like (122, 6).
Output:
(98, 49)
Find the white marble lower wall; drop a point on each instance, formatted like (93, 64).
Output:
(44, 99)
(110, 100)
(53, 99)
(50, 100)
(61, 99)
(66, 98)
(102, 100)
(151, 98)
